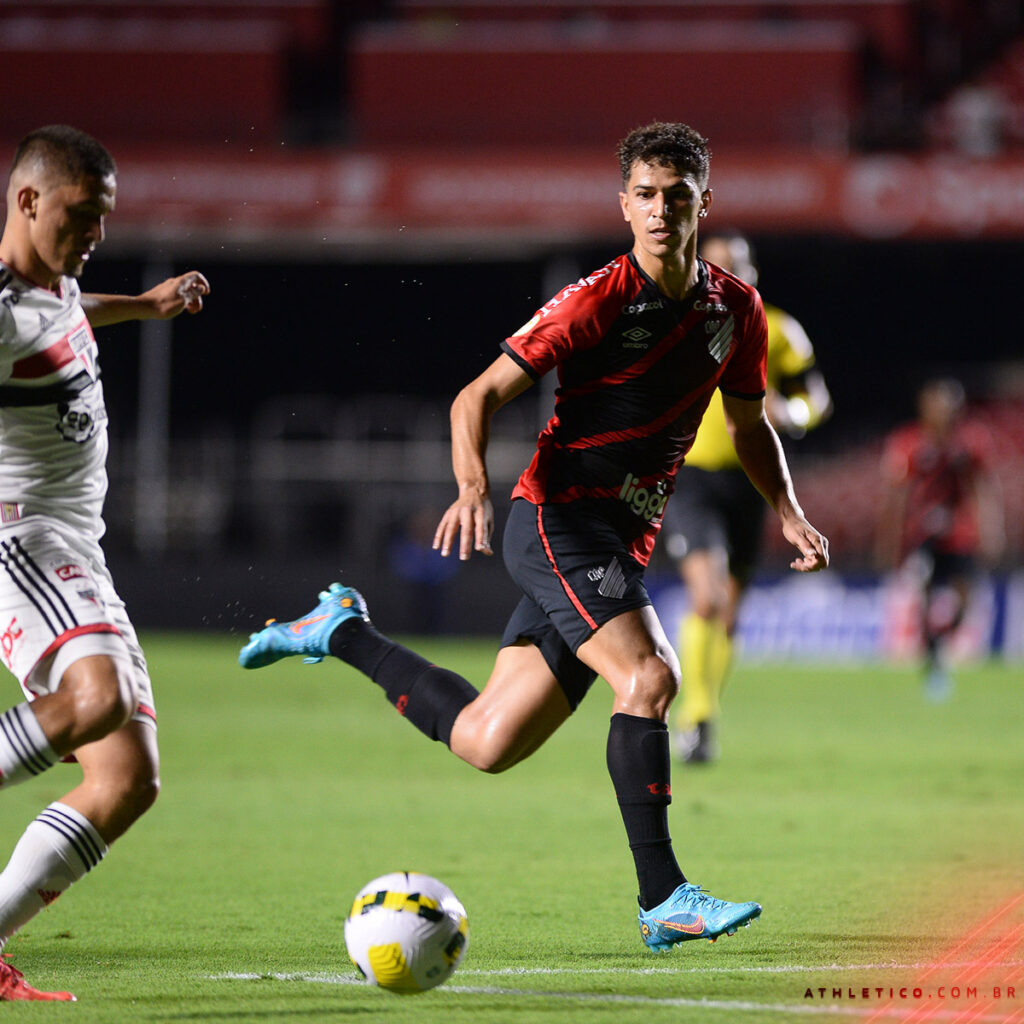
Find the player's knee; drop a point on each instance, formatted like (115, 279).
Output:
(140, 790)
(487, 754)
(123, 793)
(703, 605)
(477, 742)
(655, 685)
(490, 763)
(104, 698)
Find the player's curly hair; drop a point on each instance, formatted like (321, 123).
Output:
(666, 144)
(68, 152)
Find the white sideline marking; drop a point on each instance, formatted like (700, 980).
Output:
(739, 969)
(734, 1006)
(511, 972)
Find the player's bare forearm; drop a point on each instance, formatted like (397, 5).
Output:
(470, 517)
(161, 302)
(764, 462)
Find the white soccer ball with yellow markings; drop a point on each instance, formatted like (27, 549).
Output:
(406, 932)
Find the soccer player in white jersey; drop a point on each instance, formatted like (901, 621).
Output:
(63, 630)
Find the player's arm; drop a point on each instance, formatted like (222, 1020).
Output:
(895, 475)
(471, 516)
(760, 452)
(988, 501)
(892, 510)
(161, 302)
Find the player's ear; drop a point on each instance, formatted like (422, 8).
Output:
(28, 199)
(705, 202)
(623, 199)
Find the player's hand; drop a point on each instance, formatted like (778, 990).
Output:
(812, 545)
(471, 519)
(177, 294)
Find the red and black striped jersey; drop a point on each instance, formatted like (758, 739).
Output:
(636, 371)
(941, 478)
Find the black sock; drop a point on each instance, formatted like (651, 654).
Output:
(639, 763)
(430, 697)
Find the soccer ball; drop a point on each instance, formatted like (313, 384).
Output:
(406, 932)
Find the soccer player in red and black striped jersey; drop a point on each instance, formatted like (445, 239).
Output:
(639, 347)
(941, 514)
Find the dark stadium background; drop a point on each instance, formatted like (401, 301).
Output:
(883, 316)
(320, 350)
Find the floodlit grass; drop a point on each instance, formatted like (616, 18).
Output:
(876, 829)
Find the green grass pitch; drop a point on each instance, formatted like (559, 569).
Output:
(882, 834)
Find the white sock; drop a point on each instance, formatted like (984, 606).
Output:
(58, 848)
(24, 749)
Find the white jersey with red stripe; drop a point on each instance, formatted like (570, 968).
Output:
(53, 422)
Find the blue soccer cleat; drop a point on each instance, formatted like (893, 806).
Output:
(309, 635)
(691, 913)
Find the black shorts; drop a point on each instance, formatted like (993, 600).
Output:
(575, 574)
(944, 567)
(716, 509)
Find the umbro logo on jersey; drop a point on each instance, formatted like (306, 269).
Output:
(45, 323)
(636, 336)
(721, 341)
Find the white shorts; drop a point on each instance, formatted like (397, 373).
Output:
(58, 604)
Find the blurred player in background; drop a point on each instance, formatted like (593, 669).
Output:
(715, 523)
(940, 514)
(639, 346)
(65, 634)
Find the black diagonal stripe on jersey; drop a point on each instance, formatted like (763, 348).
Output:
(81, 843)
(8, 562)
(48, 590)
(17, 736)
(14, 396)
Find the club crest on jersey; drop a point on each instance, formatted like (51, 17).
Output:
(78, 421)
(81, 342)
(721, 337)
(644, 502)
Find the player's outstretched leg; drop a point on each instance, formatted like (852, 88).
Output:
(430, 697)
(309, 636)
(692, 913)
(14, 987)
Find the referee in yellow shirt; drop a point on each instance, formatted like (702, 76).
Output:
(714, 522)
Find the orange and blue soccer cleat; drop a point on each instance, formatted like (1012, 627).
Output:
(309, 636)
(691, 913)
